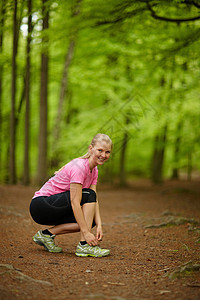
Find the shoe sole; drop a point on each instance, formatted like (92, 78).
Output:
(88, 254)
(40, 243)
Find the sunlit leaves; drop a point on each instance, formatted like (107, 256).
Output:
(127, 65)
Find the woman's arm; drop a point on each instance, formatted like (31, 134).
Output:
(76, 195)
(97, 217)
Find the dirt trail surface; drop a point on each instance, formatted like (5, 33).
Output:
(153, 234)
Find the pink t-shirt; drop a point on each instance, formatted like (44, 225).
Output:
(76, 171)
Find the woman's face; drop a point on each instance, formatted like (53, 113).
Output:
(99, 153)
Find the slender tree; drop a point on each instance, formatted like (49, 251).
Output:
(64, 81)
(63, 90)
(177, 147)
(178, 132)
(189, 165)
(13, 98)
(122, 174)
(159, 149)
(42, 156)
(158, 155)
(26, 178)
(2, 17)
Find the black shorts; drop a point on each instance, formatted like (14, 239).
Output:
(57, 209)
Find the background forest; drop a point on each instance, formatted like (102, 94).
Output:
(70, 69)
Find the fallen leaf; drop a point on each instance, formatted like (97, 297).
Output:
(164, 292)
(115, 283)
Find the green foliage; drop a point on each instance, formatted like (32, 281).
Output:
(126, 65)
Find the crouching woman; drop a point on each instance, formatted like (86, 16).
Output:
(68, 202)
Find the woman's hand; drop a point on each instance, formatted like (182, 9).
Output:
(91, 239)
(99, 233)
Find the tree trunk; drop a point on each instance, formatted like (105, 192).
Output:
(189, 166)
(122, 175)
(42, 156)
(158, 156)
(26, 177)
(63, 89)
(13, 96)
(175, 171)
(2, 17)
(64, 85)
(22, 97)
(159, 148)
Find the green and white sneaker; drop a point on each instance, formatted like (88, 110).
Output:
(47, 241)
(86, 250)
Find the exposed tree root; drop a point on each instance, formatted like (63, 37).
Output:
(184, 270)
(173, 221)
(9, 269)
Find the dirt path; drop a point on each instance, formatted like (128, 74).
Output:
(142, 260)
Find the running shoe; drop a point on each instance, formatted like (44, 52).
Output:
(47, 241)
(86, 250)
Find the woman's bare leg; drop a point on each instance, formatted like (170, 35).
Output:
(65, 228)
(88, 212)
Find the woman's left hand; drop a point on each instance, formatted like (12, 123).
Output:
(99, 234)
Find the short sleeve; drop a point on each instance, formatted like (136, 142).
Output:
(77, 173)
(94, 181)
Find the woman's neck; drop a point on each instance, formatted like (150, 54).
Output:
(91, 164)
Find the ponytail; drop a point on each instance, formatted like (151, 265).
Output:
(100, 137)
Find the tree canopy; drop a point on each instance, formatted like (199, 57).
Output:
(129, 69)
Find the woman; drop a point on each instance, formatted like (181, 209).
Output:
(68, 201)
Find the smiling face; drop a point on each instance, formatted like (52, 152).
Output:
(99, 153)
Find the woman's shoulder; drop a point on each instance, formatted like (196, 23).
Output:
(77, 162)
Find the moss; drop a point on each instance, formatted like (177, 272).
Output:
(184, 270)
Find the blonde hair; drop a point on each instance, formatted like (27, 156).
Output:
(99, 137)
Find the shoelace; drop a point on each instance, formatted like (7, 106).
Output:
(50, 242)
(94, 248)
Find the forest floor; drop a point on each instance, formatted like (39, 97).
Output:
(153, 233)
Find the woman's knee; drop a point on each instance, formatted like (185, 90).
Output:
(92, 195)
(88, 196)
